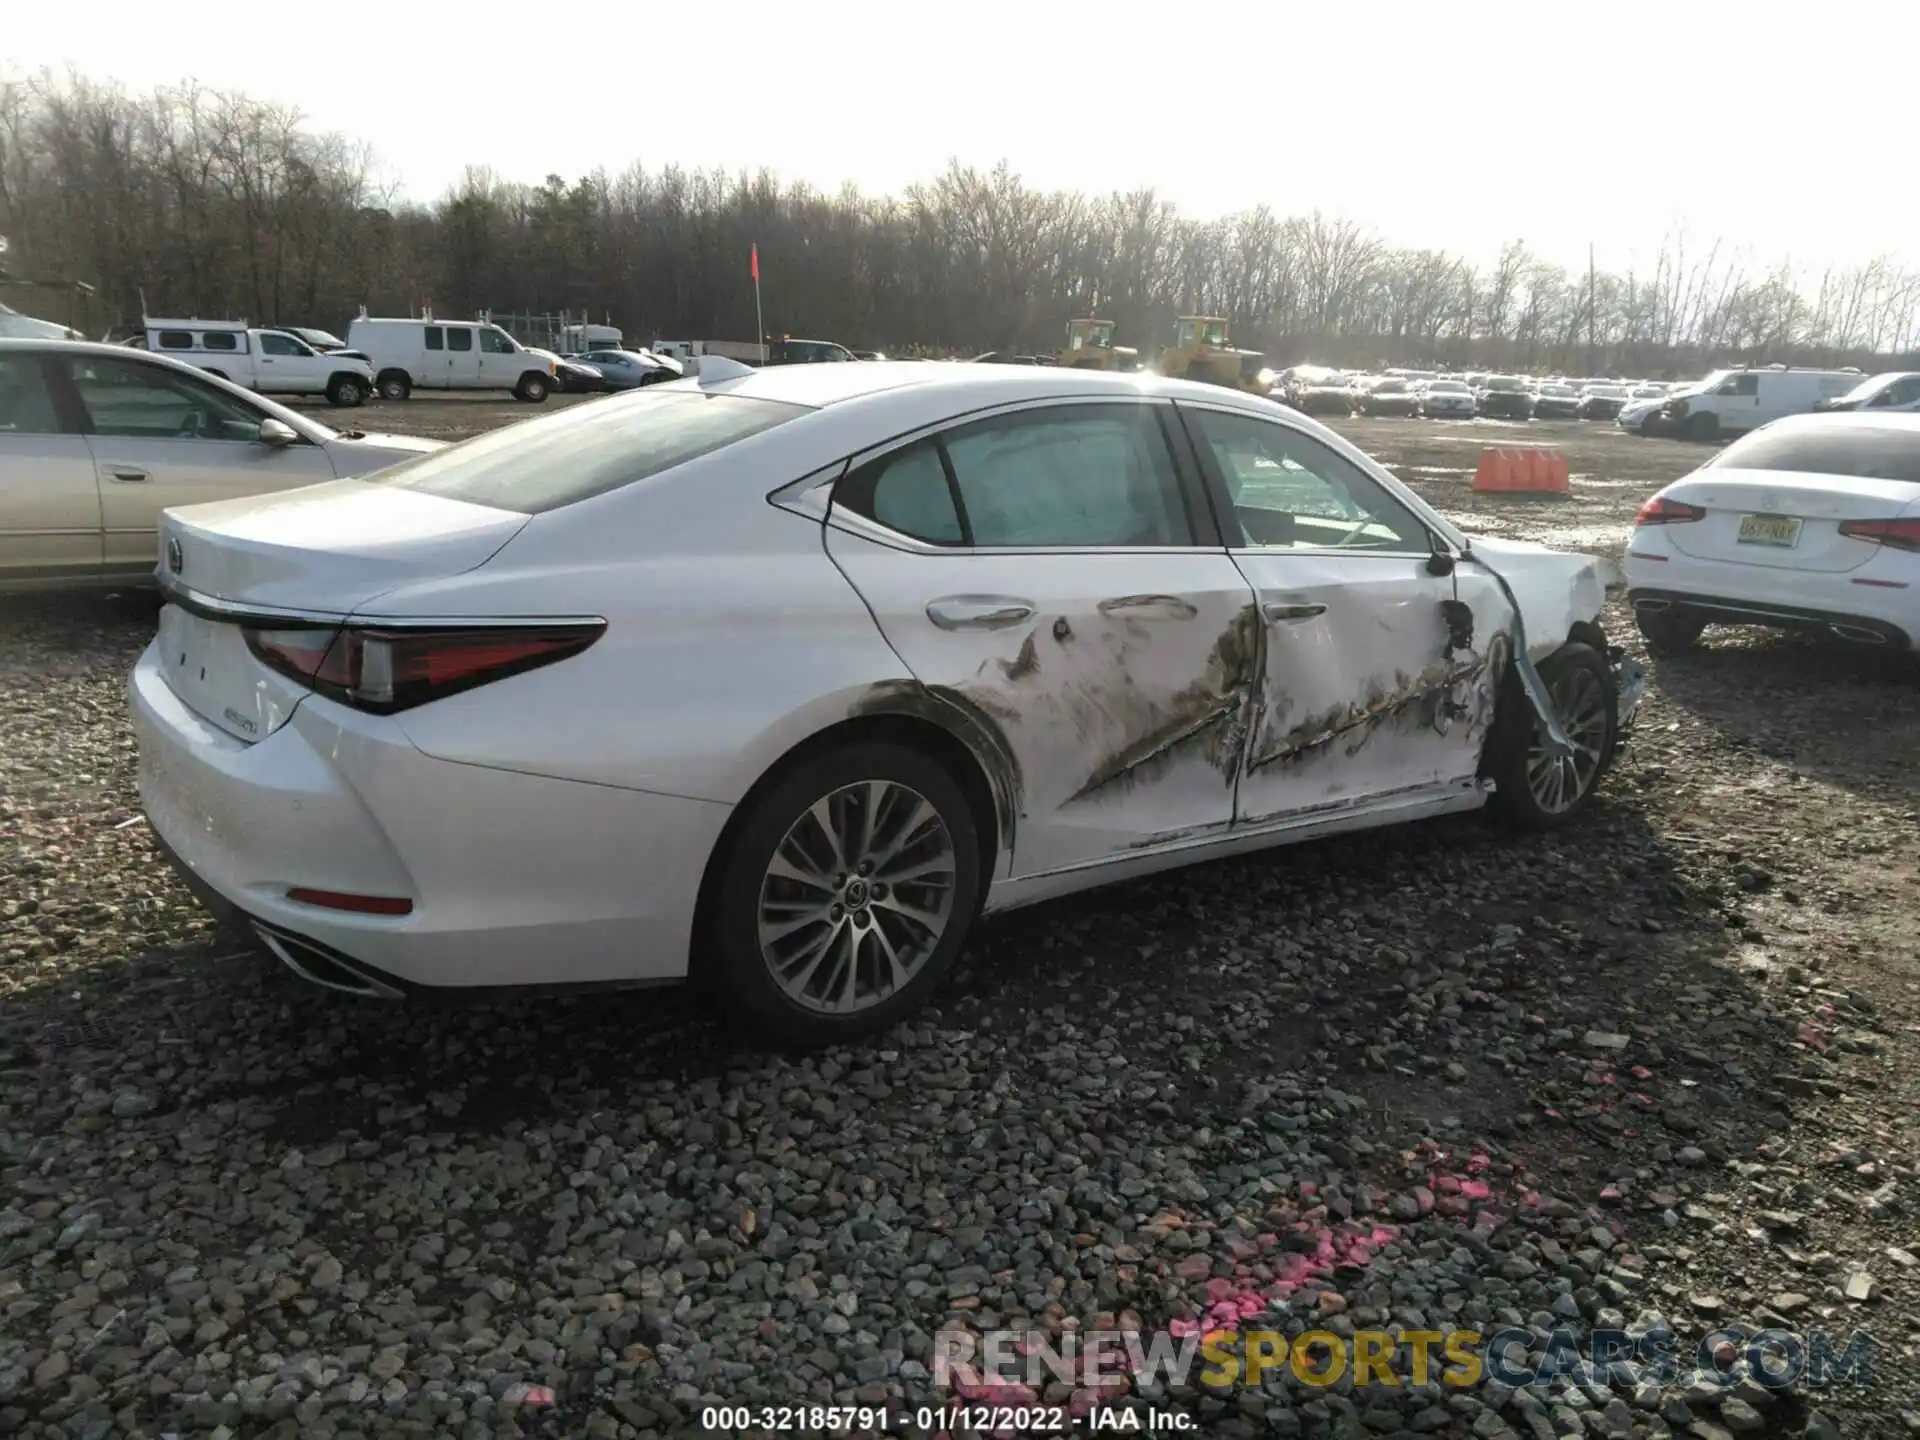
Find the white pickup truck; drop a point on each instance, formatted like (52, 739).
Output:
(273, 362)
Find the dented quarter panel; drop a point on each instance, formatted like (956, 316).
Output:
(1117, 707)
(1370, 695)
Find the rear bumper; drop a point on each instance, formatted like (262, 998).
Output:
(515, 879)
(1735, 610)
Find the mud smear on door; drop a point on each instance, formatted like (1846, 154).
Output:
(1456, 691)
(1075, 711)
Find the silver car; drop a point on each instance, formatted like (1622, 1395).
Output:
(97, 440)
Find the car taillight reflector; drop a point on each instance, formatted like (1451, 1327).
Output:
(384, 669)
(359, 904)
(1662, 511)
(1900, 534)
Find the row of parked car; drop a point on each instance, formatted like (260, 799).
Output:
(1468, 396)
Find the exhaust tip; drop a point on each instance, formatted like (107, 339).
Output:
(1859, 634)
(317, 967)
(1653, 605)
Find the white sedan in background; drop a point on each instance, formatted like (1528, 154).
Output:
(1811, 522)
(97, 440)
(788, 674)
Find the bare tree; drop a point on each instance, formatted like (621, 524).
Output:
(217, 204)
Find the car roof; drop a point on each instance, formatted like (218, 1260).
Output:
(969, 384)
(1899, 420)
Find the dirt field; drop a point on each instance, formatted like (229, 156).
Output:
(1677, 1046)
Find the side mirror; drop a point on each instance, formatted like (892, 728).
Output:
(1439, 561)
(277, 434)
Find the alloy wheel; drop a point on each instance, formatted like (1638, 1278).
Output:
(1560, 782)
(857, 895)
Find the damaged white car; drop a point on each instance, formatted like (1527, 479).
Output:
(782, 677)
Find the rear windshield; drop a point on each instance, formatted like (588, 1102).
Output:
(588, 450)
(1868, 452)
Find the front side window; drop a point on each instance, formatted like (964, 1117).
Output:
(126, 398)
(495, 342)
(1290, 492)
(26, 404)
(272, 344)
(1903, 391)
(558, 459)
(459, 338)
(1740, 385)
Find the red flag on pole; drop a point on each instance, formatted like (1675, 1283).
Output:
(755, 262)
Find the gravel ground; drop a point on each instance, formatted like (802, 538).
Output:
(1661, 1066)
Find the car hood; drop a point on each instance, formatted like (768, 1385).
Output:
(1554, 589)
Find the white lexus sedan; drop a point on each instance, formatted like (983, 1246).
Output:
(1811, 523)
(786, 675)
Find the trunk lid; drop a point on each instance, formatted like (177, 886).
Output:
(324, 551)
(1784, 520)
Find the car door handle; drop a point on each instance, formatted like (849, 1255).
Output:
(1281, 611)
(128, 474)
(978, 612)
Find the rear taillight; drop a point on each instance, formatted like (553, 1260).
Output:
(1901, 534)
(383, 670)
(1662, 511)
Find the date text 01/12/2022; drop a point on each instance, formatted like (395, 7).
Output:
(939, 1419)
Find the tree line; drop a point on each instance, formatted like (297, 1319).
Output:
(212, 203)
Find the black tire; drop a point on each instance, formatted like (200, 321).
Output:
(394, 385)
(346, 390)
(1668, 632)
(743, 976)
(1703, 427)
(533, 388)
(1573, 667)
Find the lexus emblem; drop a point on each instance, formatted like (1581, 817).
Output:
(175, 559)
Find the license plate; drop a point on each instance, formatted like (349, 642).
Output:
(1781, 530)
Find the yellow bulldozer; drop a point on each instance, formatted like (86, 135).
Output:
(1090, 347)
(1202, 350)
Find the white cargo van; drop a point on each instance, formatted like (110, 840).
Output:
(1732, 402)
(273, 362)
(578, 339)
(411, 355)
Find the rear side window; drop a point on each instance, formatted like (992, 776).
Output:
(218, 340)
(1069, 475)
(175, 340)
(459, 338)
(1863, 451)
(434, 341)
(559, 459)
(26, 404)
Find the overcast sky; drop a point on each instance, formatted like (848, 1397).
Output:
(1784, 131)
